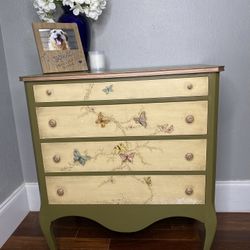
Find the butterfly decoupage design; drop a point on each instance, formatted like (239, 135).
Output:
(102, 120)
(141, 119)
(120, 148)
(78, 157)
(166, 128)
(127, 157)
(108, 89)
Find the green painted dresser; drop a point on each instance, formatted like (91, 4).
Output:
(126, 149)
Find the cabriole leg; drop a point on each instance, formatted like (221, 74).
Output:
(46, 226)
(210, 230)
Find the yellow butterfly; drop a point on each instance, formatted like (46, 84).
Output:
(103, 121)
(120, 148)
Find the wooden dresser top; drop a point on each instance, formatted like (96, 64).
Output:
(174, 70)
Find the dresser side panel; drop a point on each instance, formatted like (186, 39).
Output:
(36, 144)
(212, 138)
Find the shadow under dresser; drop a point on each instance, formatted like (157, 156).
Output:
(127, 148)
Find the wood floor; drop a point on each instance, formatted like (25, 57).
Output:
(74, 233)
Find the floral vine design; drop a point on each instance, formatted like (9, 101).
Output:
(139, 121)
(135, 122)
(88, 91)
(146, 181)
(126, 154)
(107, 90)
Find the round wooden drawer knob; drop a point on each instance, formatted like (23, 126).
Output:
(190, 119)
(189, 191)
(56, 158)
(190, 86)
(189, 156)
(52, 123)
(48, 92)
(60, 192)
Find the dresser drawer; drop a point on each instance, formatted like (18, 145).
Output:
(133, 89)
(175, 118)
(155, 155)
(137, 189)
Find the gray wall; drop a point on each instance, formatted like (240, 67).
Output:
(10, 165)
(153, 33)
(16, 17)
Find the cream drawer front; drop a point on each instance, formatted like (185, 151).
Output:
(138, 189)
(159, 155)
(197, 86)
(176, 118)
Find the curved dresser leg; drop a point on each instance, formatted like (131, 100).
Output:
(210, 230)
(46, 226)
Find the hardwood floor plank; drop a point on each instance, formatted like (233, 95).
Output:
(27, 243)
(29, 226)
(83, 244)
(154, 245)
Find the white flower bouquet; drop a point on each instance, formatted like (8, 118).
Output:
(91, 8)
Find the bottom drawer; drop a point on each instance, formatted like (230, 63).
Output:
(126, 189)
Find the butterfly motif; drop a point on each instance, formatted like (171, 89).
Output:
(108, 89)
(103, 121)
(120, 148)
(148, 181)
(165, 128)
(82, 159)
(141, 119)
(127, 157)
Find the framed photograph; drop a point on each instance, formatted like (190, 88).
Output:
(59, 47)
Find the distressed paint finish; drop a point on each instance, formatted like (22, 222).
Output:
(126, 189)
(136, 89)
(153, 155)
(113, 216)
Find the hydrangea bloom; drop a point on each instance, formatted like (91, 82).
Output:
(91, 8)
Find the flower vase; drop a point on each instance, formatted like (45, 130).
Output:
(83, 26)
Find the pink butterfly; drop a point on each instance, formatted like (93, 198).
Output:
(127, 157)
(166, 128)
(142, 119)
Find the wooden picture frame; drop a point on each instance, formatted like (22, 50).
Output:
(59, 46)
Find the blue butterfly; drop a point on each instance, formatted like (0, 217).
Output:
(141, 119)
(82, 159)
(108, 89)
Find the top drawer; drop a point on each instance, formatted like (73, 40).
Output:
(133, 89)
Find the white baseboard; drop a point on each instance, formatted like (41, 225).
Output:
(12, 211)
(231, 196)
(33, 196)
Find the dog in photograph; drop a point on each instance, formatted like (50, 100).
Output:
(58, 40)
